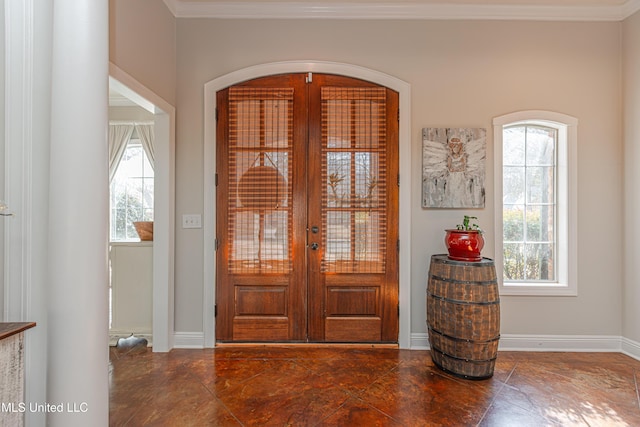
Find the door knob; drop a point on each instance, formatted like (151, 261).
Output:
(314, 246)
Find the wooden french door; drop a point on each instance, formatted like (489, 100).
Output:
(307, 211)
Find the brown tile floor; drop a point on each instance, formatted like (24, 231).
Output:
(301, 386)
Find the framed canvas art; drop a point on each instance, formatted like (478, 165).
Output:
(453, 162)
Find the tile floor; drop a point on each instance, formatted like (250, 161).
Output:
(328, 386)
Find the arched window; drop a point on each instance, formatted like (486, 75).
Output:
(535, 183)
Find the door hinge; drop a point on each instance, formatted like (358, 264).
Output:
(215, 310)
(216, 179)
(216, 114)
(398, 115)
(398, 245)
(398, 180)
(398, 310)
(309, 78)
(217, 244)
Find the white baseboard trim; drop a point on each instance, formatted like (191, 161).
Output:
(188, 340)
(508, 342)
(584, 343)
(576, 343)
(631, 348)
(420, 341)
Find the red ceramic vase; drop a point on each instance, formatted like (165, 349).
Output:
(464, 245)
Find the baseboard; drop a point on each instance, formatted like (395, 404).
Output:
(595, 343)
(508, 342)
(188, 340)
(579, 343)
(419, 341)
(631, 348)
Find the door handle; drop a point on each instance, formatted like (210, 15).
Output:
(314, 246)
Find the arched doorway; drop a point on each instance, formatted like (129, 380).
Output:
(405, 162)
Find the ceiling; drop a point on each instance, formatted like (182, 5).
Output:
(573, 10)
(116, 99)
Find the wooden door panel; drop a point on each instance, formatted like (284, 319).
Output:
(353, 308)
(261, 329)
(261, 311)
(261, 301)
(353, 329)
(352, 301)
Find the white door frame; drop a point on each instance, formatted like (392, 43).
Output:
(164, 203)
(209, 220)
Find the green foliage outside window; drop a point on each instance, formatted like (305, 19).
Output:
(128, 209)
(530, 260)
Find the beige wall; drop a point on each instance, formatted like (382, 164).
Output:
(2, 149)
(631, 80)
(142, 43)
(462, 73)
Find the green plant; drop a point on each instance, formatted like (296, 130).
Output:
(467, 226)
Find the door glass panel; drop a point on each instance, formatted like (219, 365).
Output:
(338, 167)
(338, 237)
(260, 190)
(354, 173)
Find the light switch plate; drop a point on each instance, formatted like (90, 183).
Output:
(191, 221)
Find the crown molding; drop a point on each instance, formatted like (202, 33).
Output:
(171, 5)
(391, 10)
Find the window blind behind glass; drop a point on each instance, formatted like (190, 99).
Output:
(260, 189)
(354, 169)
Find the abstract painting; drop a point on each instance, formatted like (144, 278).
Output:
(453, 167)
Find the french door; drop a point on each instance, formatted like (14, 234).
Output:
(307, 211)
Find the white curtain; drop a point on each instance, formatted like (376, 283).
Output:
(145, 134)
(119, 135)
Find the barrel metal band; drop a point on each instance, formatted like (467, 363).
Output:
(497, 338)
(457, 301)
(463, 358)
(464, 282)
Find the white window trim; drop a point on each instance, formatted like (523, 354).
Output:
(567, 203)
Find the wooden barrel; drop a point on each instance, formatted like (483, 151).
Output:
(463, 316)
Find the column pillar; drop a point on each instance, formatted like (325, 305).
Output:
(78, 214)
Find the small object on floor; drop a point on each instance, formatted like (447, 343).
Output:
(131, 342)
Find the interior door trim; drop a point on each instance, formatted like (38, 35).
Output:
(209, 209)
